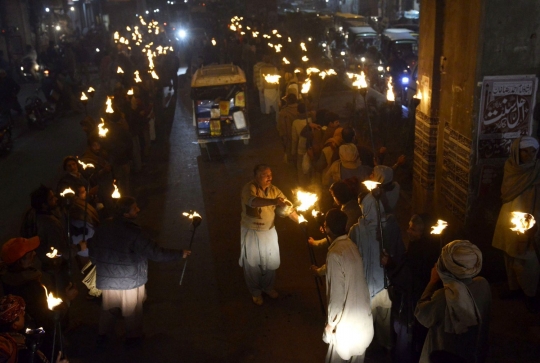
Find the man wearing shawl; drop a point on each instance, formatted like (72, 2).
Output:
(365, 235)
(349, 326)
(520, 193)
(456, 315)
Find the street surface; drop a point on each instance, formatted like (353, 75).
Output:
(211, 318)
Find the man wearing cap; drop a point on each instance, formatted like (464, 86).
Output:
(520, 192)
(349, 164)
(120, 250)
(458, 314)
(259, 249)
(349, 324)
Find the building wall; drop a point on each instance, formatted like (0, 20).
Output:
(461, 42)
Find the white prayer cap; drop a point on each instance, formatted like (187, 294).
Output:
(528, 141)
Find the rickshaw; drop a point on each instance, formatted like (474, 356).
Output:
(219, 104)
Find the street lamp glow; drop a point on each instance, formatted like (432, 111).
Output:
(72, 8)
(57, 27)
(47, 9)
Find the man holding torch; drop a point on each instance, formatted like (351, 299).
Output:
(519, 193)
(121, 251)
(259, 250)
(349, 325)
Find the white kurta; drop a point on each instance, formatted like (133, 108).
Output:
(348, 299)
(259, 241)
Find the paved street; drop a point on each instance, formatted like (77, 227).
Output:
(210, 318)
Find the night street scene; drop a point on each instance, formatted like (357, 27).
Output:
(269, 181)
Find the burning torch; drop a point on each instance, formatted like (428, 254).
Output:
(523, 223)
(56, 306)
(86, 166)
(196, 220)
(438, 229)
(68, 195)
(307, 200)
(84, 101)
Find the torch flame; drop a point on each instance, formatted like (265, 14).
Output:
(53, 254)
(91, 89)
(360, 81)
(306, 199)
(191, 214)
(286, 61)
(116, 36)
(137, 78)
(301, 219)
(418, 95)
(102, 131)
(66, 192)
(305, 59)
(84, 165)
(312, 70)
(306, 86)
(272, 78)
(303, 46)
(370, 184)
(522, 222)
(119, 70)
(214, 42)
(52, 301)
(441, 225)
(315, 213)
(130, 92)
(389, 93)
(154, 75)
(109, 105)
(116, 193)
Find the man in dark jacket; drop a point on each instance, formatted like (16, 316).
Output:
(121, 251)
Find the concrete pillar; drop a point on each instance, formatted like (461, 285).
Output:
(462, 41)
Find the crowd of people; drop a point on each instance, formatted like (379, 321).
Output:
(66, 233)
(412, 297)
(407, 296)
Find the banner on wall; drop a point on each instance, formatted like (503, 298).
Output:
(506, 113)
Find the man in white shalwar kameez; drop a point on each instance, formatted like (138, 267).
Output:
(259, 250)
(349, 326)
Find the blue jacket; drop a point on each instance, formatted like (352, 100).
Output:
(121, 251)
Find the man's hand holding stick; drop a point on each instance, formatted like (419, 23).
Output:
(196, 220)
